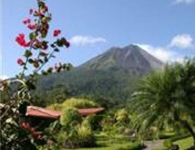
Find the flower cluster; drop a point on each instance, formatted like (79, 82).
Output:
(56, 32)
(20, 39)
(20, 61)
(39, 50)
(26, 126)
(27, 21)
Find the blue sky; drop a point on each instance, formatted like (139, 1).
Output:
(164, 28)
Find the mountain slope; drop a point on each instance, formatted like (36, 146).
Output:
(110, 77)
(130, 58)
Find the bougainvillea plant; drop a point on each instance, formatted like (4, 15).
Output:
(17, 134)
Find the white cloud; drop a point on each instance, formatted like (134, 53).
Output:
(168, 53)
(86, 40)
(182, 41)
(3, 77)
(180, 59)
(159, 52)
(184, 1)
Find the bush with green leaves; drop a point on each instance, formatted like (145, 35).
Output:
(107, 124)
(86, 136)
(79, 103)
(70, 117)
(93, 121)
(118, 122)
(74, 131)
(75, 103)
(122, 117)
(78, 136)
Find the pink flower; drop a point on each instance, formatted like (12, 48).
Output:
(56, 32)
(32, 130)
(26, 21)
(37, 43)
(20, 61)
(30, 11)
(66, 43)
(38, 13)
(36, 135)
(21, 41)
(44, 9)
(32, 27)
(27, 44)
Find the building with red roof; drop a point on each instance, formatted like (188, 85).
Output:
(34, 111)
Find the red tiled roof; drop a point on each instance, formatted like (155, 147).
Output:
(89, 111)
(51, 114)
(42, 112)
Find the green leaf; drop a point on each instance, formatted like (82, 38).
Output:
(56, 50)
(43, 54)
(32, 36)
(25, 68)
(36, 64)
(43, 33)
(59, 42)
(67, 66)
(9, 120)
(53, 56)
(30, 61)
(53, 45)
(27, 53)
(45, 59)
(41, 61)
(44, 73)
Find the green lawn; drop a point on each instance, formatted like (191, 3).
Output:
(114, 146)
(184, 143)
(115, 143)
(111, 146)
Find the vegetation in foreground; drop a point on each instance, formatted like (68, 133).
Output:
(167, 98)
(184, 143)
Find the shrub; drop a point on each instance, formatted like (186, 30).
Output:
(75, 133)
(93, 121)
(86, 137)
(79, 103)
(73, 102)
(55, 107)
(70, 117)
(168, 142)
(134, 146)
(122, 116)
(78, 136)
(107, 124)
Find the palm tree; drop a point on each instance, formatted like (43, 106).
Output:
(168, 95)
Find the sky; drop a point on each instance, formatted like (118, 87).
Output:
(164, 28)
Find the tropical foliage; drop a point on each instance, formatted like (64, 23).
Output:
(73, 103)
(73, 131)
(167, 97)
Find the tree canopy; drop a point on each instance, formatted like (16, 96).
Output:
(167, 96)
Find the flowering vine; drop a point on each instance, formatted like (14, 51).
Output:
(15, 133)
(37, 49)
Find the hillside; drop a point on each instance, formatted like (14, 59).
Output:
(110, 77)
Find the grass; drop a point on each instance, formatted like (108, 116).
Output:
(166, 134)
(184, 143)
(113, 146)
(115, 143)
